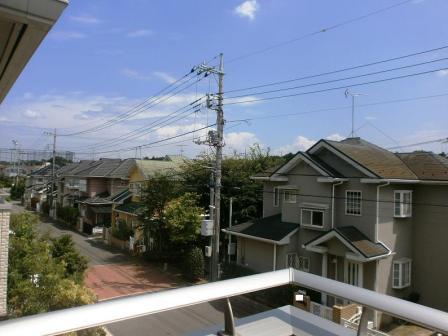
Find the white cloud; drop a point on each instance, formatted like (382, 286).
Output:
(247, 9)
(87, 19)
(31, 114)
(131, 73)
(302, 143)
(173, 130)
(240, 140)
(140, 33)
(335, 137)
(67, 35)
(443, 73)
(165, 77)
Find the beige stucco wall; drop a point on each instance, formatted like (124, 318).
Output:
(430, 246)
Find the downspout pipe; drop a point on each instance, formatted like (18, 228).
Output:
(332, 201)
(377, 223)
(377, 263)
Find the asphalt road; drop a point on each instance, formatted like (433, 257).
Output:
(183, 321)
(95, 250)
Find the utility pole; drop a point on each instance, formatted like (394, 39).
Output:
(53, 172)
(215, 138)
(218, 169)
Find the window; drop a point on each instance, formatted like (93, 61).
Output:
(401, 273)
(289, 196)
(402, 203)
(291, 260)
(353, 273)
(312, 217)
(276, 196)
(303, 264)
(353, 201)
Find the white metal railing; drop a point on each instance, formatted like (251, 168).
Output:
(105, 312)
(321, 310)
(353, 325)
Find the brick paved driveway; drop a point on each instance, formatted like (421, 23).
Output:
(113, 280)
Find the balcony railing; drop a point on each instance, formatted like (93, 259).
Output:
(105, 312)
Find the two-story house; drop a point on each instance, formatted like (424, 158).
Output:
(37, 185)
(130, 209)
(93, 186)
(357, 213)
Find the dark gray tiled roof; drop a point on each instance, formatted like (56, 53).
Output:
(426, 165)
(113, 168)
(44, 171)
(271, 228)
(379, 161)
(358, 241)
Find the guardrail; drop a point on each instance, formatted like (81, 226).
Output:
(105, 312)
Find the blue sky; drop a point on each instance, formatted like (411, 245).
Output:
(103, 57)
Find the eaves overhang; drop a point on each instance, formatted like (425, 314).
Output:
(24, 24)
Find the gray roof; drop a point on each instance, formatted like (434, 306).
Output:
(113, 168)
(271, 228)
(426, 165)
(379, 161)
(358, 240)
(44, 171)
(149, 168)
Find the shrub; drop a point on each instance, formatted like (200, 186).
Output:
(232, 270)
(121, 230)
(45, 208)
(193, 266)
(68, 214)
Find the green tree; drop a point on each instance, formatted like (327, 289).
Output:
(193, 266)
(63, 251)
(236, 182)
(17, 190)
(156, 194)
(183, 219)
(40, 272)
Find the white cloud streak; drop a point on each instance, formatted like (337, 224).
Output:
(247, 9)
(85, 19)
(140, 33)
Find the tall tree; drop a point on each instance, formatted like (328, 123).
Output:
(38, 277)
(156, 194)
(183, 219)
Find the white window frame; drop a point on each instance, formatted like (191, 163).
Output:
(291, 256)
(347, 202)
(353, 273)
(292, 195)
(312, 211)
(276, 197)
(398, 279)
(402, 204)
(303, 263)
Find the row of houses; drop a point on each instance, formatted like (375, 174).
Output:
(349, 211)
(103, 191)
(356, 213)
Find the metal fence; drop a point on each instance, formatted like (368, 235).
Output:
(105, 312)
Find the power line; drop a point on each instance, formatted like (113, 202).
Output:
(343, 78)
(149, 102)
(420, 143)
(143, 129)
(320, 31)
(337, 88)
(345, 107)
(339, 70)
(148, 145)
